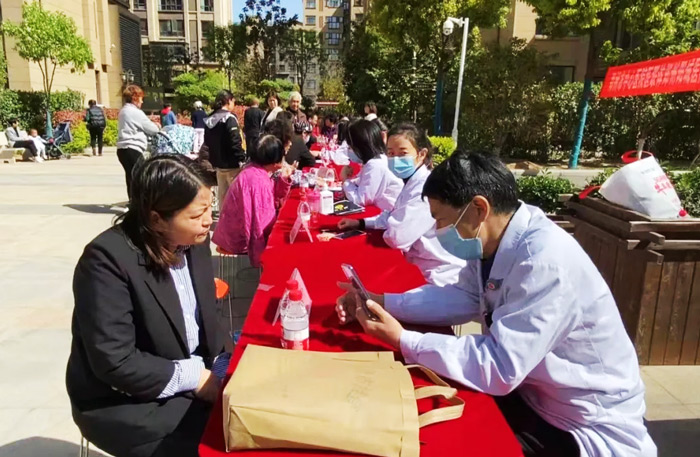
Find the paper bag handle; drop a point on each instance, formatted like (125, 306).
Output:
(442, 389)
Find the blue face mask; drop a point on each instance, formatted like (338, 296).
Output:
(403, 167)
(452, 241)
(353, 157)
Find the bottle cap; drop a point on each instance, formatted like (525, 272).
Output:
(292, 284)
(295, 295)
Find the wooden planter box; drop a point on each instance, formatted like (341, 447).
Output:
(653, 270)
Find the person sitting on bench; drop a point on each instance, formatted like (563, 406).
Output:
(16, 140)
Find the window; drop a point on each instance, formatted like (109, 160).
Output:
(333, 39)
(281, 67)
(334, 22)
(332, 3)
(311, 4)
(172, 28)
(207, 6)
(312, 68)
(540, 31)
(311, 84)
(170, 5)
(207, 27)
(562, 74)
(358, 2)
(139, 5)
(333, 54)
(310, 20)
(144, 27)
(359, 17)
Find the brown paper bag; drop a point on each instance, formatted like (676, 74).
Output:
(353, 402)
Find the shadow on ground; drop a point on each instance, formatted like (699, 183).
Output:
(97, 208)
(677, 438)
(37, 446)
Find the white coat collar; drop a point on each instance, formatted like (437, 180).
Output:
(507, 249)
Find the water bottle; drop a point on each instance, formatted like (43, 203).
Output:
(295, 323)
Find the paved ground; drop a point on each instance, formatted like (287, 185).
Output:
(48, 213)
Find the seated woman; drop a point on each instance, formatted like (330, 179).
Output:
(410, 226)
(375, 184)
(144, 366)
(250, 207)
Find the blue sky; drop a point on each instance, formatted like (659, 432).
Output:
(293, 7)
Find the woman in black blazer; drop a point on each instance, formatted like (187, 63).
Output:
(145, 362)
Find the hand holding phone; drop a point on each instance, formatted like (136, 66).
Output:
(360, 289)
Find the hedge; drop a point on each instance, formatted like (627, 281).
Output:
(28, 107)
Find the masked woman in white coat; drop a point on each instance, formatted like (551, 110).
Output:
(409, 225)
(375, 184)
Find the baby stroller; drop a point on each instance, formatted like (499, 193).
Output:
(61, 136)
(173, 139)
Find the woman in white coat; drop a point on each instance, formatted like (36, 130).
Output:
(273, 109)
(409, 226)
(375, 184)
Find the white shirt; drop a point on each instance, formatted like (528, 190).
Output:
(410, 228)
(374, 185)
(370, 117)
(134, 128)
(556, 336)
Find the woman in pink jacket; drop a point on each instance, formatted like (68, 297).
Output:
(250, 207)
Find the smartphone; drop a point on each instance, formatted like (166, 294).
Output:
(349, 234)
(360, 288)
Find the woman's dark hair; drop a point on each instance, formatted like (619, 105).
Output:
(343, 131)
(269, 151)
(274, 95)
(365, 138)
(222, 99)
(464, 175)
(165, 184)
(372, 107)
(281, 128)
(332, 117)
(131, 92)
(417, 137)
(285, 116)
(92, 103)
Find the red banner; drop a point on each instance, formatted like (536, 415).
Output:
(679, 73)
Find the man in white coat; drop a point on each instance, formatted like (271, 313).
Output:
(554, 352)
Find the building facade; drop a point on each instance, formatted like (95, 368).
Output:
(181, 22)
(112, 32)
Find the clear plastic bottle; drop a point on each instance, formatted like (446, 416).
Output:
(326, 200)
(295, 323)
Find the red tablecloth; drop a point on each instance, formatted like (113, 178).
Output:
(481, 431)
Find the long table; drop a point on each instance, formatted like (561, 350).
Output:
(481, 431)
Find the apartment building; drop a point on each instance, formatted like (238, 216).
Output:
(333, 19)
(112, 32)
(180, 22)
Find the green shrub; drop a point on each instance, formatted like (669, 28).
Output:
(688, 188)
(28, 107)
(81, 139)
(543, 191)
(601, 177)
(443, 147)
(110, 133)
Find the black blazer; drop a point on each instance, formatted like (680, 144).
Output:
(128, 328)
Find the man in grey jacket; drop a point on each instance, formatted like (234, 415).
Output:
(16, 140)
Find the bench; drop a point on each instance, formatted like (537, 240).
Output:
(7, 154)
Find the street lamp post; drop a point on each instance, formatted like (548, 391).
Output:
(447, 29)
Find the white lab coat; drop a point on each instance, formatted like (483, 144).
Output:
(340, 156)
(556, 336)
(410, 228)
(374, 185)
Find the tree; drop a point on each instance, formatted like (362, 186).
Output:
(654, 29)
(302, 49)
(160, 61)
(332, 89)
(227, 47)
(417, 25)
(51, 40)
(3, 70)
(202, 86)
(267, 26)
(507, 96)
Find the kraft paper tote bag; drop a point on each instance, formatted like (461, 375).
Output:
(352, 402)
